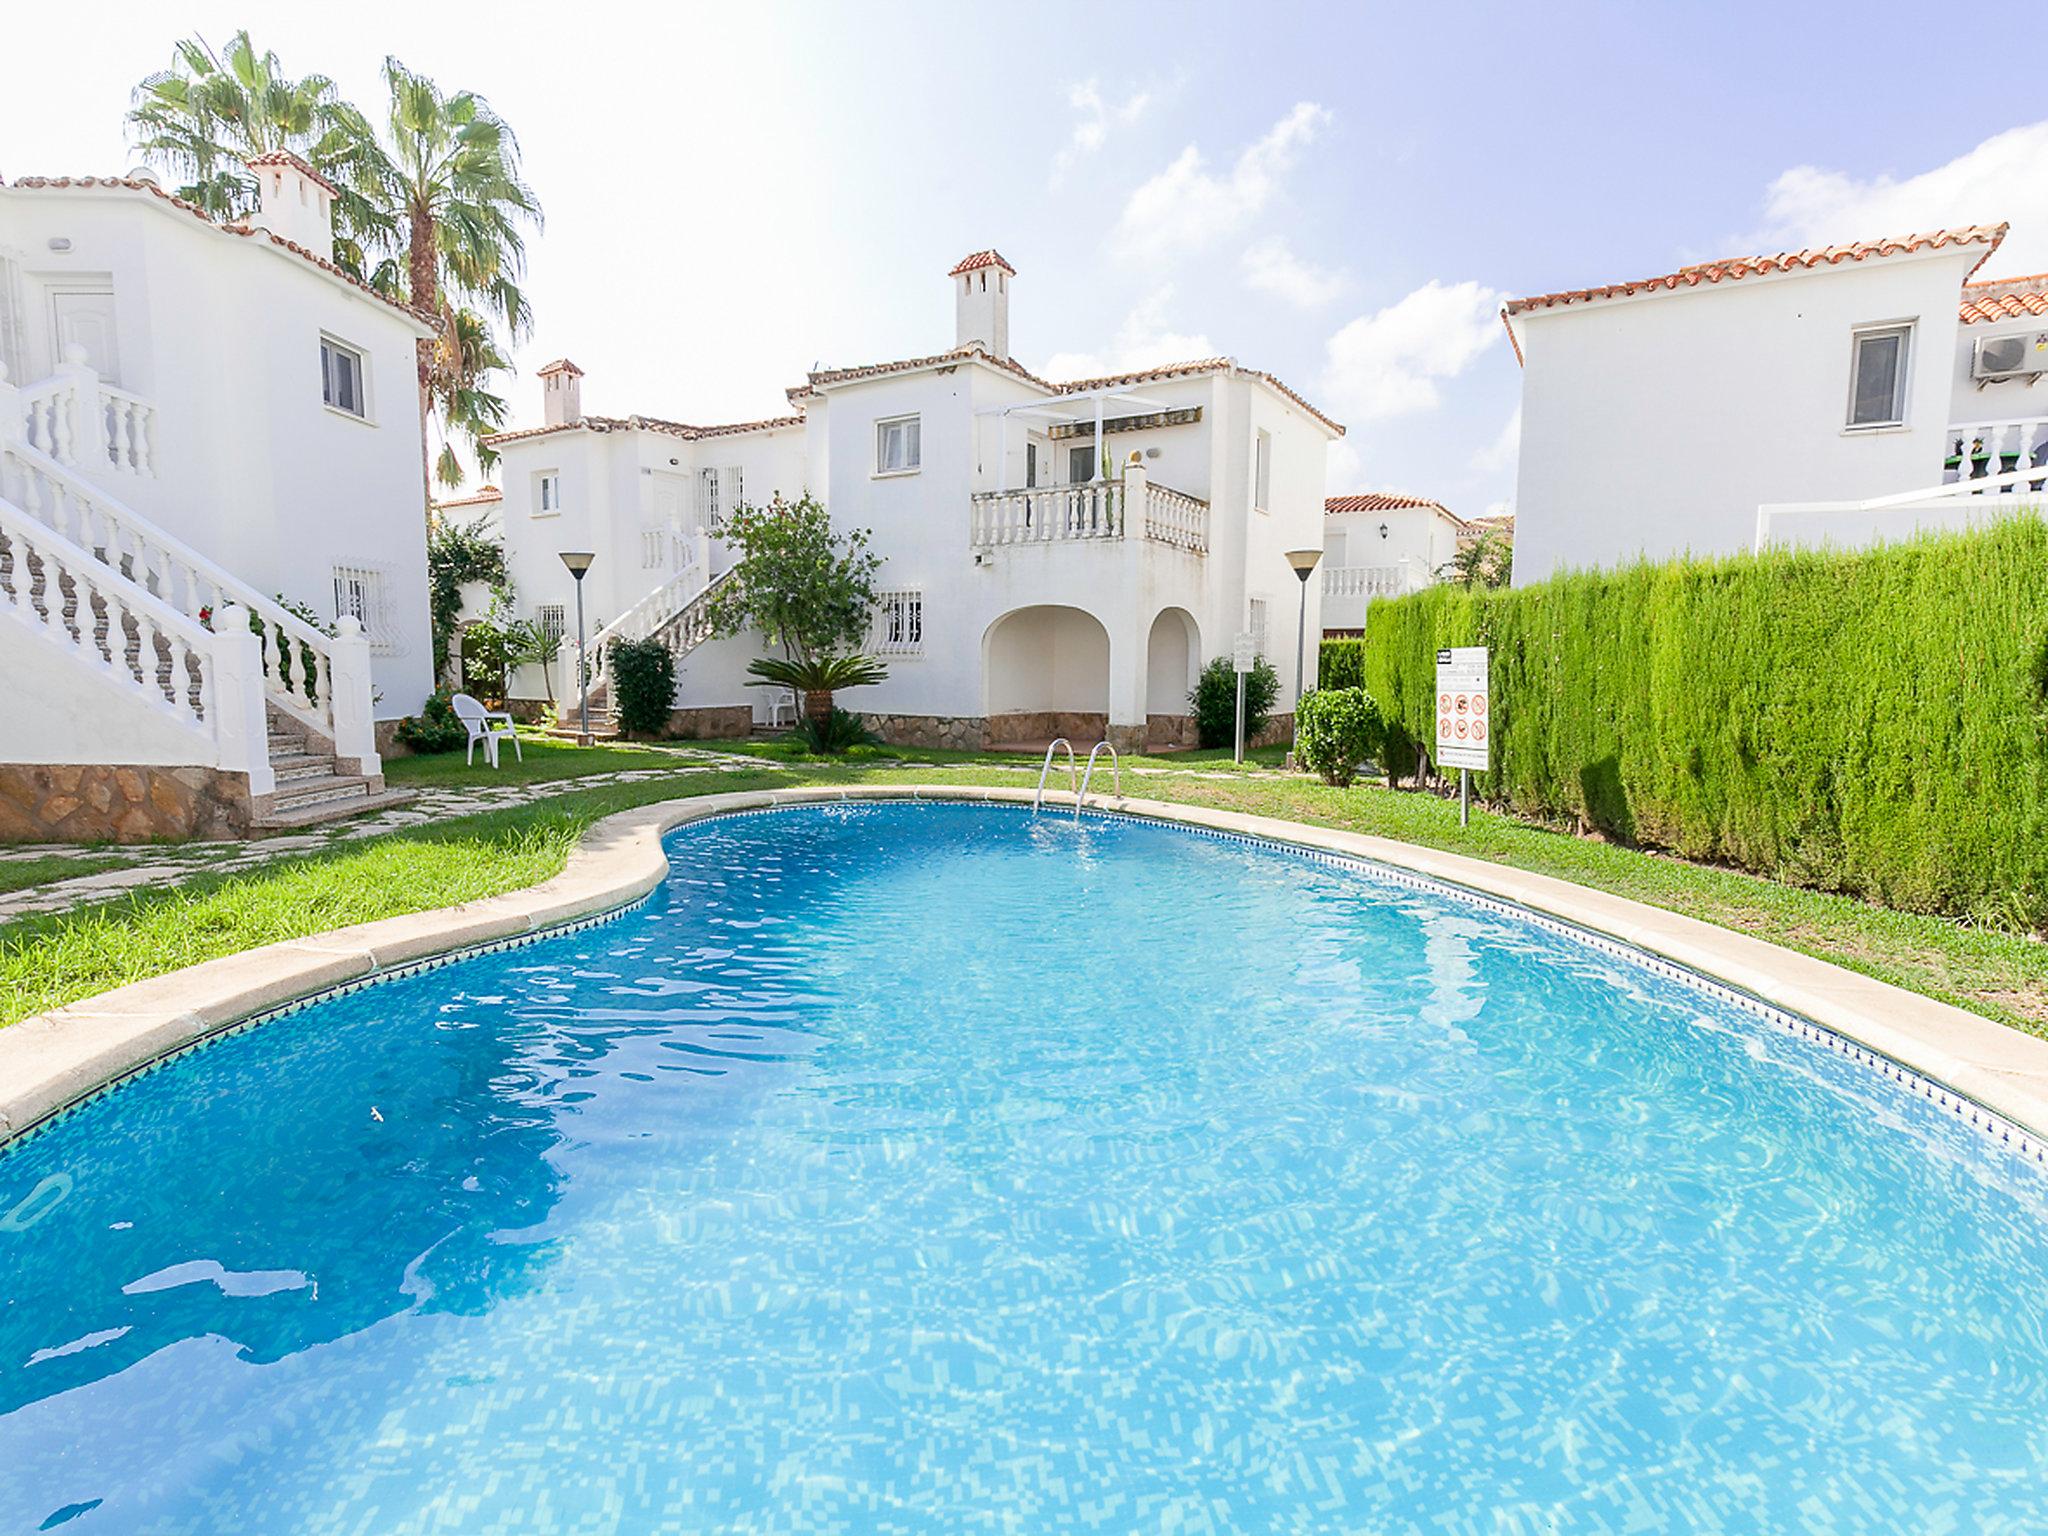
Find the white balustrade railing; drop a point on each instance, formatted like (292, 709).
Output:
(1986, 450)
(81, 421)
(312, 676)
(206, 683)
(1092, 510)
(676, 612)
(1365, 580)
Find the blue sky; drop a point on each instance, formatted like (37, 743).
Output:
(1341, 194)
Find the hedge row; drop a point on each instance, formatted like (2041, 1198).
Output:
(1872, 723)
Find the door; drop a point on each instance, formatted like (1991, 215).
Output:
(1081, 465)
(86, 316)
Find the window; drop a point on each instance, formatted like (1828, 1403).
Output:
(359, 593)
(707, 497)
(1262, 471)
(1081, 464)
(897, 446)
(736, 486)
(554, 621)
(899, 624)
(1877, 385)
(1030, 465)
(341, 377)
(547, 493)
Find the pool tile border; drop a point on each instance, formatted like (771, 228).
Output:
(54, 1061)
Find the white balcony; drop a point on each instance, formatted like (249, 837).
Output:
(1093, 511)
(1995, 450)
(1348, 590)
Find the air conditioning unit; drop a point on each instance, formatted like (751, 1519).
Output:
(2010, 357)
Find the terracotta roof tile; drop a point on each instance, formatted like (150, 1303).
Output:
(488, 496)
(1713, 272)
(982, 259)
(1384, 501)
(286, 157)
(2010, 298)
(136, 184)
(679, 429)
(559, 365)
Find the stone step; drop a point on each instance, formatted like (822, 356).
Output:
(318, 790)
(330, 810)
(292, 767)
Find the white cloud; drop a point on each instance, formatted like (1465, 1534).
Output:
(1345, 475)
(1503, 450)
(1391, 363)
(1271, 266)
(2004, 178)
(1093, 118)
(1144, 340)
(1186, 205)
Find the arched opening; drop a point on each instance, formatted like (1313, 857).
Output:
(1045, 673)
(1173, 656)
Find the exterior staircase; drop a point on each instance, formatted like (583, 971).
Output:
(150, 661)
(311, 786)
(677, 613)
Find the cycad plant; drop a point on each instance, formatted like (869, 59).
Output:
(817, 678)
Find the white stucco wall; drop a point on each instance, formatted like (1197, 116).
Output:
(1655, 425)
(222, 334)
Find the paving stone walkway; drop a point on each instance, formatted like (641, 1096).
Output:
(169, 864)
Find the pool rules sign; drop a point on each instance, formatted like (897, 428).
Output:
(1463, 722)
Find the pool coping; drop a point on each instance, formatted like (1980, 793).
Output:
(52, 1060)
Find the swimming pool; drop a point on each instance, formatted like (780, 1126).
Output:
(939, 1167)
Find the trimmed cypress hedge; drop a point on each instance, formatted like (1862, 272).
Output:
(1873, 723)
(1341, 664)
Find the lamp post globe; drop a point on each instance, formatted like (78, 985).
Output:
(578, 562)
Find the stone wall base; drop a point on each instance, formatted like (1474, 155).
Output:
(99, 803)
(1169, 732)
(955, 733)
(714, 722)
(1081, 728)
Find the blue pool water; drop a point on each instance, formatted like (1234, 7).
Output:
(939, 1168)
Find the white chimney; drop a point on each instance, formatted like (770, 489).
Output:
(561, 393)
(981, 298)
(296, 202)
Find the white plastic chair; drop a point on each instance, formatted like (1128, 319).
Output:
(782, 708)
(489, 726)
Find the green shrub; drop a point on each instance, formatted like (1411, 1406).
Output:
(836, 733)
(1213, 702)
(1336, 729)
(1341, 664)
(1872, 723)
(643, 686)
(434, 728)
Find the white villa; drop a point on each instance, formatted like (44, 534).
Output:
(1059, 558)
(199, 423)
(1839, 395)
(1386, 543)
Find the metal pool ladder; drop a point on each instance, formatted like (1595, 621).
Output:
(1115, 762)
(1073, 783)
(1078, 789)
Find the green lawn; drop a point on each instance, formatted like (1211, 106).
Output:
(49, 960)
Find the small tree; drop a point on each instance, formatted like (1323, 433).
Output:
(1487, 561)
(457, 554)
(808, 589)
(1213, 702)
(1336, 729)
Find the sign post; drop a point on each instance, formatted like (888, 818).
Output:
(1464, 720)
(1244, 654)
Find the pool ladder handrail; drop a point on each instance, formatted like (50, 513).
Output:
(1073, 772)
(1115, 762)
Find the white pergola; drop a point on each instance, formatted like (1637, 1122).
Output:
(1083, 405)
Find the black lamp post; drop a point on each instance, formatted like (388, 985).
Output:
(1304, 563)
(578, 562)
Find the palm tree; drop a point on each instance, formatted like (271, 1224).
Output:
(817, 678)
(211, 112)
(447, 172)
